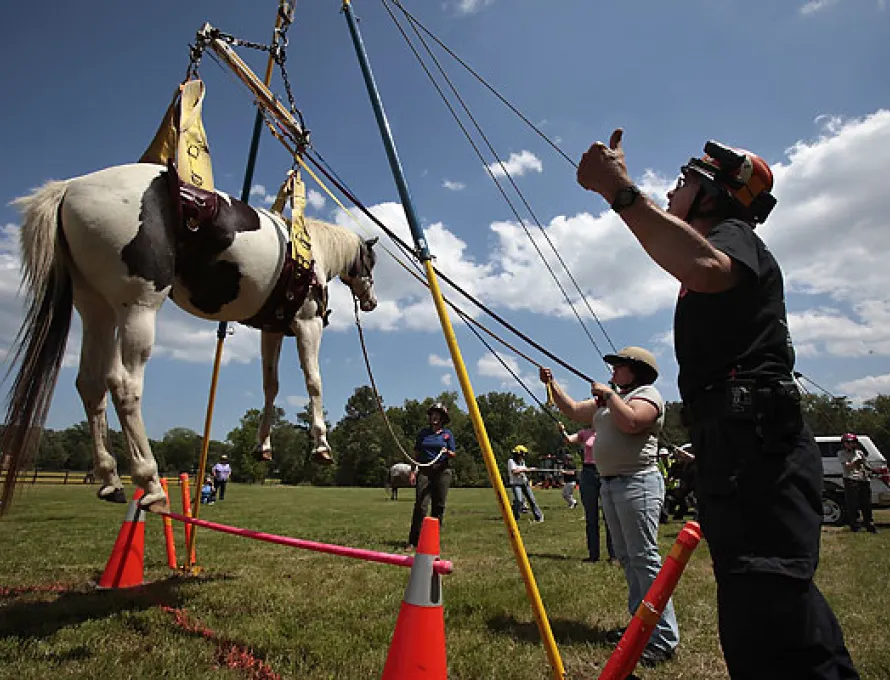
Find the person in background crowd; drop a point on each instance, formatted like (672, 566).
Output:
(741, 405)
(627, 423)
(221, 473)
(681, 498)
(435, 449)
(857, 487)
(590, 493)
(517, 481)
(208, 493)
(569, 470)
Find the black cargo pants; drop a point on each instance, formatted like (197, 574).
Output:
(759, 487)
(432, 488)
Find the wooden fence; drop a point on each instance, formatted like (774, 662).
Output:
(67, 477)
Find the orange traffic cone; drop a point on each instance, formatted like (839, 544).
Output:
(125, 568)
(417, 650)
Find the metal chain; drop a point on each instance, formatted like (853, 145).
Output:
(277, 50)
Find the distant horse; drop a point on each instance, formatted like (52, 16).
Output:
(400, 475)
(114, 245)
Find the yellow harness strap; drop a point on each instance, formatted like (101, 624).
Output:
(294, 190)
(193, 151)
(181, 136)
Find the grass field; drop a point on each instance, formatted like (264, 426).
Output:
(265, 611)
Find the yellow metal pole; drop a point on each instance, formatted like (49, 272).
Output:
(208, 419)
(531, 587)
(478, 425)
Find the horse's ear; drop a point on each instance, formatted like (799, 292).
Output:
(371, 241)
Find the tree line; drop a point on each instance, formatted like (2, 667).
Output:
(365, 447)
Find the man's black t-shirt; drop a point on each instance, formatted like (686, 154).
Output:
(741, 331)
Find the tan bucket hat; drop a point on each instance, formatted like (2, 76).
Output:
(633, 355)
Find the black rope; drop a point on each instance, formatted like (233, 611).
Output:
(509, 177)
(392, 235)
(472, 72)
(508, 369)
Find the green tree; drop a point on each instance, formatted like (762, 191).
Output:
(243, 441)
(361, 441)
(179, 450)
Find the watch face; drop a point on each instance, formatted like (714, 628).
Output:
(625, 197)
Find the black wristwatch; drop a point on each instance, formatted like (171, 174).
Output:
(625, 197)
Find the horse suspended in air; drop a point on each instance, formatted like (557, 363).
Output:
(115, 244)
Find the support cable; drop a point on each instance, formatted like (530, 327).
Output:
(507, 174)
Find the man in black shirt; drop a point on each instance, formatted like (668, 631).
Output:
(759, 471)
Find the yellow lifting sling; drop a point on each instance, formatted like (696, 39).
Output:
(181, 137)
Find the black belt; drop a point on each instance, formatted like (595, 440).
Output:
(740, 398)
(590, 466)
(609, 477)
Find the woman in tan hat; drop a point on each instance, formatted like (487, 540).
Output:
(627, 421)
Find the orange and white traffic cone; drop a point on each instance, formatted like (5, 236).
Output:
(417, 650)
(126, 566)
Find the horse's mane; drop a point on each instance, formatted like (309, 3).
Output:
(334, 247)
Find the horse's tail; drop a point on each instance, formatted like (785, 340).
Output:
(40, 343)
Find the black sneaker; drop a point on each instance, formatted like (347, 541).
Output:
(654, 656)
(614, 636)
(870, 528)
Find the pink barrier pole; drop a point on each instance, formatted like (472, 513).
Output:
(439, 566)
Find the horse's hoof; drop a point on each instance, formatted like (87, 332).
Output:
(111, 494)
(322, 456)
(262, 455)
(160, 507)
(154, 502)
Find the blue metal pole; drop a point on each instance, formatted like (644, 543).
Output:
(391, 153)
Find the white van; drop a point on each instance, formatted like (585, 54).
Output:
(834, 509)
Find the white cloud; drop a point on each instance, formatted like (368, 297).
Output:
(813, 6)
(436, 360)
(446, 379)
(489, 366)
(861, 389)
(259, 191)
(183, 337)
(470, 6)
(829, 232)
(517, 165)
(315, 199)
(453, 186)
(296, 401)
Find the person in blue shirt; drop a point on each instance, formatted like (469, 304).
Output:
(208, 493)
(435, 449)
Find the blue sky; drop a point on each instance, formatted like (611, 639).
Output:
(804, 84)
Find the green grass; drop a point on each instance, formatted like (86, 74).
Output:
(309, 616)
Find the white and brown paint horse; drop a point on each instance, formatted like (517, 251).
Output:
(113, 245)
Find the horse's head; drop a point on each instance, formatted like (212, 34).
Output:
(360, 277)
